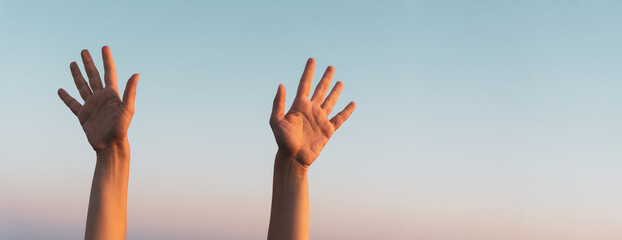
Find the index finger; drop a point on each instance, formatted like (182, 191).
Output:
(304, 87)
(110, 71)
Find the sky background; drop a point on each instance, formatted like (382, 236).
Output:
(474, 121)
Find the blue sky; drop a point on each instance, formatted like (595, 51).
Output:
(478, 120)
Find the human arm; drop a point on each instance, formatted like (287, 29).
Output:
(301, 134)
(105, 119)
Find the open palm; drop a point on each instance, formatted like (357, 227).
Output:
(303, 132)
(105, 117)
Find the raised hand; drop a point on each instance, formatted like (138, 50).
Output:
(304, 131)
(301, 134)
(105, 117)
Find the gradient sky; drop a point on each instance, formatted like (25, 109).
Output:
(474, 121)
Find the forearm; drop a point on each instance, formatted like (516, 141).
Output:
(108, 202)
(289, 217)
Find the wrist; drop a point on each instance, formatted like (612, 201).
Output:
(285, 162)
(113, 147)
(118, 151)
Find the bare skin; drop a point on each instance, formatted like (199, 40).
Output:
(301, 134)
(105, 119)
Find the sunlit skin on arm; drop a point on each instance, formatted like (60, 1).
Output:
(301, 134)
(105, 118)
